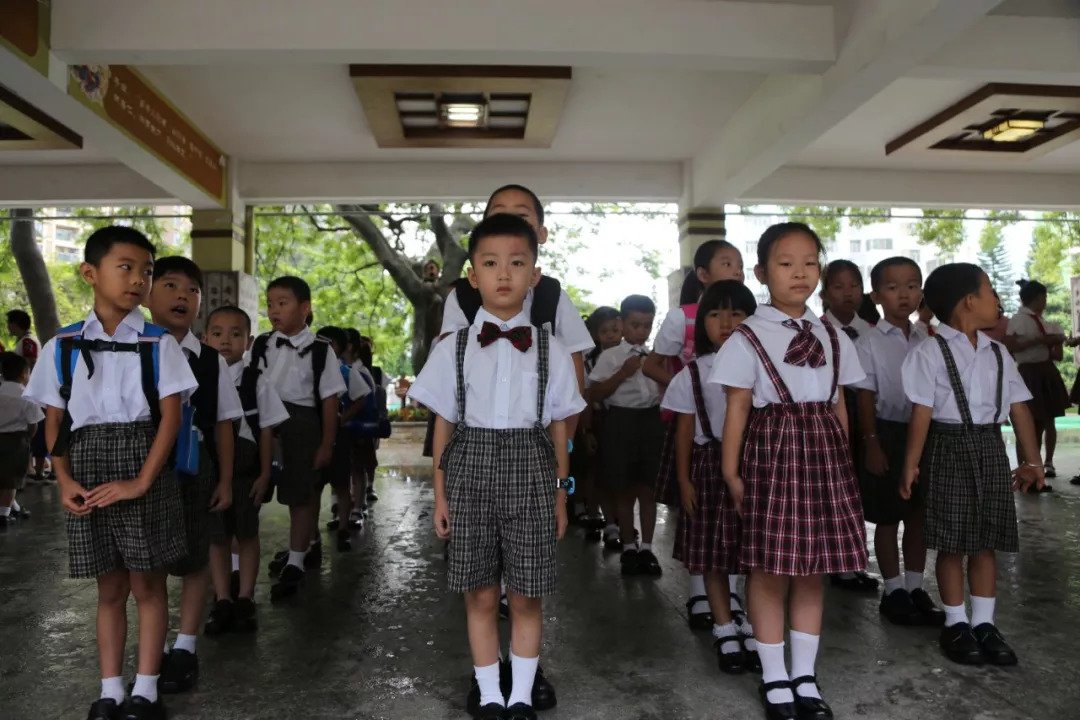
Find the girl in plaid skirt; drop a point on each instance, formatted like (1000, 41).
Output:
(708, 528)
(714, 261)
(788, 464)
(962, 386)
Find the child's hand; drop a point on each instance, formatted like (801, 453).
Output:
(737, 489)
(115, 491)
(1025, 476)
(907, 482)
(442, 520)
(876, 462)
(561, 520)
(322, 456)
(632, 365)
(258, 489)
(688, 495)
(73, 497)
(222, 497)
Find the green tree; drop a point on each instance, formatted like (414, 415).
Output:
(994, 256)
(1051, 239)
(941, 228)
(828, 221)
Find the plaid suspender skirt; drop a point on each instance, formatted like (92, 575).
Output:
(968, 477)
(801, 509)
(500, 489)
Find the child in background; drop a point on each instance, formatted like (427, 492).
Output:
(19, 420)
(28, 347)
(788, 465)
(885, 411)
(962, 386)
(709, 527)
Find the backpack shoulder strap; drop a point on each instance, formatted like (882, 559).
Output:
(545, 305)
(150, 367)
(258, 349)
(67, 356)
(249, 398)
(319, 351)
(207, 371)
(468, 298)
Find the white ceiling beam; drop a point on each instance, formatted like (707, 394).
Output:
(740, 36)
(916, 188)
(75, 185)
(271, 183)
(887, 39)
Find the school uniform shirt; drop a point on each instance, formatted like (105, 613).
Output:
(17, 414)
(500, 380)
(881, 354)
(680, 398)
(28, 347)
(361, 383)
(737, 363)
(857, 324)
(293, 376)
(671, 337)
(570, 329)
(1025, 325)
(228, 406)
(926, 380)
(271, 410)
(637, 391)
(115, 393)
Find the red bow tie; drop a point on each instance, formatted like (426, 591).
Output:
(520, 337)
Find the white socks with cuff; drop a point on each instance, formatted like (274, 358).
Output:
(524, 674)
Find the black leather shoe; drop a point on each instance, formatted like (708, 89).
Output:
(179, 674)
(629, 561)
(372, 496)
(777, 711)
(137, 707)
(959, 645)
(244, 619)
(313, 558)
(929, 613)
(898, 608)
(648, 564)
(22, 513)
(491, 711)
(518, 711)
(753, 660)
(277, 564)
(732, 663)
(221, 618)
(810, 708)
(613, 544)
(860, 583)
(543, 692)
(104, 709)
(993, 645)
(701, 620)
(288, 583)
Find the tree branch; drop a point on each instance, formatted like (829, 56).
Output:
(399, 267)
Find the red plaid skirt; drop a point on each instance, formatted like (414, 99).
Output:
(801, 509)
(708, 540)
(667, 486)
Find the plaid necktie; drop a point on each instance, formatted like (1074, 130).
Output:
(805, 348)
(851, 332)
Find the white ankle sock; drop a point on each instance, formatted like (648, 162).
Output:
(113, 689)
(524, 673)
(235, 562)
(5, 511)
(733, 583)
(804, 649)
(913, 580)
(296, 558)
(773, 669)
(982, 610)
(168, 648)
(184, 642)
(146, 686)
(727, 631)
(894, 583)
(697, 589)
(848, 575)
(629, 546)
(15, 506)
(746, 630)
(487, 678)
(955, 614)
(645, 546)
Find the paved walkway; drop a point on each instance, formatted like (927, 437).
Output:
(376, 636)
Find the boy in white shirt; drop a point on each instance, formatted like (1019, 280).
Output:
(633, 432)
(112, 388)
(19, 420)
(28, 347)
(502, 390)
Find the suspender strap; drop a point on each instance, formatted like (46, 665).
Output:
(957, 385)
(459, 365)
(835, 342)
(542, 370)
(699, 400)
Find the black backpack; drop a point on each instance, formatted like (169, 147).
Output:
(207, 370)
(545, 301)
(318, 349)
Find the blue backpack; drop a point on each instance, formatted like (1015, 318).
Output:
(370, 422)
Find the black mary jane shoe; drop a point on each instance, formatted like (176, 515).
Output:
(698, 621)
(104, 709)
(993, 646)
(244, 618)
(543, 692)
(613, 544)
(137, 707)
(180, 673)
(898, 608)
(777, 711)
(731, 663)
(629, 562)
(753, 660)
(519, 711)
(959, 645)
(810, 708)
(861, 582)
(491, 711)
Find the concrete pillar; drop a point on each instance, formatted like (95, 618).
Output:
(223, 246)
(696, 226)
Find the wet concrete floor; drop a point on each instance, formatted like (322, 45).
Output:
(375, 635)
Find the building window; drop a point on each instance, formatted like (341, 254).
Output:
(751, 248)
(915, 255)
(856, 246)
(879, 244)
(65, 235)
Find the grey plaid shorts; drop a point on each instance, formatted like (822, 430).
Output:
(241, 519)
(140, 535)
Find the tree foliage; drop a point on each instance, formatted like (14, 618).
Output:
(827, 222)
(994, 256)
(943, 229)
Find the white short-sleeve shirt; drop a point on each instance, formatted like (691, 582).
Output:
(671, 338)
(293, 376)
(114, 394)
(17, 414)
(737, 364)
(271, 410)
(637, 391)
(926, 379)
(680, 398)
(860, 326)
(500, 380)
(361, 384)
(881, 354)
(570, 329)
(228, 406)
(1025, 326)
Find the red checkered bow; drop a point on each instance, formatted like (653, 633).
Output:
(805, 348)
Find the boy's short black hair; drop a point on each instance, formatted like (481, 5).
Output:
(229, 310)
(537, 206)
(12, 366)
(877, 273)
(180, 265)
(637, 303)
(721, 295)
(503, 224)
(19, 318)
(364, 355)
(101, 241)
(948, 285)
(297, 286)
(335, 335)
(839, 266)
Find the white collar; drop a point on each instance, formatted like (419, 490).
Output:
(951, 334)
(770, 313)
(191, 344)
(299, 341)
(134, 320)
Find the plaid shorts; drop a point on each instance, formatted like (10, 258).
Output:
(195, 494)
(140, 535)
(241, 519)
(299, 438)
